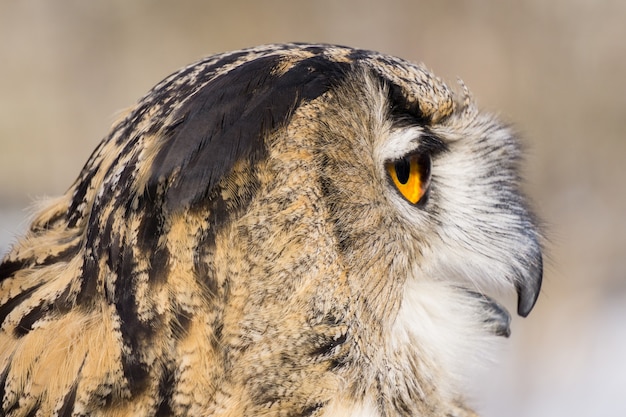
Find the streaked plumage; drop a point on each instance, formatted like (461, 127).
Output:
(237, 246)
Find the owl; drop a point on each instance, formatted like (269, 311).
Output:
(286, 230)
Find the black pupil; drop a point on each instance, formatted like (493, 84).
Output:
(403, 169)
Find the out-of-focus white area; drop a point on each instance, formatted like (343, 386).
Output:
(555, 69)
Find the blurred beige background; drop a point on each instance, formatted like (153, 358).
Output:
(556, 69)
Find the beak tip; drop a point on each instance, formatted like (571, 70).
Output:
(529, 288)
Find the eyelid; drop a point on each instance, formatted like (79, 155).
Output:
(431, 145)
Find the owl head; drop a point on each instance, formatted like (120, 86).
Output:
(291, 229)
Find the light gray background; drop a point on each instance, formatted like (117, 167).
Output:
(553, 68)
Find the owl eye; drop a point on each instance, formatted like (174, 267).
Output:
(411, 175)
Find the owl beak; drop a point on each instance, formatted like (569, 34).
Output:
(497, 318)
(529, 286)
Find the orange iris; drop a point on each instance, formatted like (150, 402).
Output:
(406, 174)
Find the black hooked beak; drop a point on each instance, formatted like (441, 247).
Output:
(497, 318)
(529, 286)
